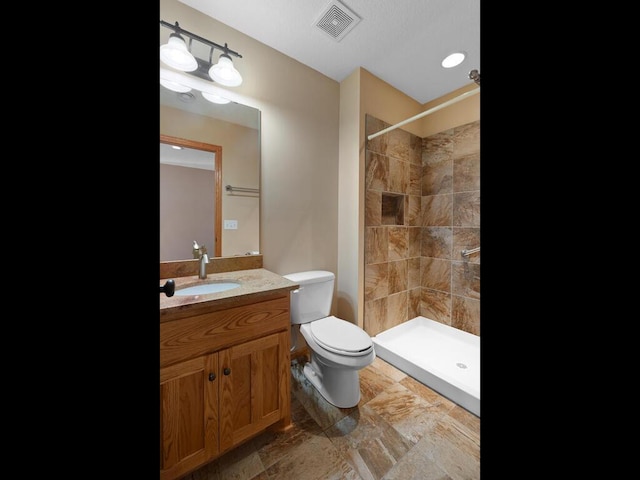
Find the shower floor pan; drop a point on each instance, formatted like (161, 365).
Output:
(442, 357)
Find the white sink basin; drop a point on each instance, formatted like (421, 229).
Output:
(207, 288)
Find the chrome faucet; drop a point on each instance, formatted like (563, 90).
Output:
(200, 252)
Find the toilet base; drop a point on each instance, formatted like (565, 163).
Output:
(339, 386)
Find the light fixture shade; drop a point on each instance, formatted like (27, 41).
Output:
(174, 86)
(215, 98)
(175, 54)
(225, 73)
(453, 60)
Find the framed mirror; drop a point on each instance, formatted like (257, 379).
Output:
(212, 192)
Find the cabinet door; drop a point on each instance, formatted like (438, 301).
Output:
(254, 387)
(188, 415)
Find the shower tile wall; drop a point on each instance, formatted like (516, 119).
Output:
(422, 207)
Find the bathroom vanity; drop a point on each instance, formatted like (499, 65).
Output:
(224, 366)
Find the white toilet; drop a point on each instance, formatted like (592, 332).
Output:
(338, 348)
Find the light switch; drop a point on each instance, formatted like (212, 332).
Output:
(230, 224)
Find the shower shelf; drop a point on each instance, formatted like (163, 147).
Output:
(392, 209)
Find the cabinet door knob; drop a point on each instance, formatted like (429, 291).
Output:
(226, 371)
(168, 288)
(212, 377)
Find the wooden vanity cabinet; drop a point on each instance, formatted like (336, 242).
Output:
(224, 377)
(188, 415)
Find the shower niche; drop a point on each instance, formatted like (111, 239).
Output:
(392, 209)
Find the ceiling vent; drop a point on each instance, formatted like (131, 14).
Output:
(336, 20)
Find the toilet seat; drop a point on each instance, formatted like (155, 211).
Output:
(341, 337)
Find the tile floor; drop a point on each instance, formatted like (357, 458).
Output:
(401, 429)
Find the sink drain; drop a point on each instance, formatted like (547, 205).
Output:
(461, 365)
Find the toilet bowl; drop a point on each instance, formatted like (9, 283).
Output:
(338, 349)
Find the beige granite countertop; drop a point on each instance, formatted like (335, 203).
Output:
(254, 285)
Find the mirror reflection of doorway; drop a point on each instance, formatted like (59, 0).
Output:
(190, 197)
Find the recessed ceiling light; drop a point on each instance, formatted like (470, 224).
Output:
(453, 60)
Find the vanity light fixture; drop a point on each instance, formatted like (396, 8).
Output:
(453, 60)
(224, 72)
(176, 54)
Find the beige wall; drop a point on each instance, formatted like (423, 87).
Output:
(350, 211)
(182, 189)
(460, 113)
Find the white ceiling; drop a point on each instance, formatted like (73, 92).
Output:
(399, 41)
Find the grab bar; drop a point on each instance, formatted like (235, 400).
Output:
(466, 253)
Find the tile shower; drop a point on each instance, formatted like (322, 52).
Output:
(422, 208)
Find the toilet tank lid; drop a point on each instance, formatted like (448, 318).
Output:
(312, 276)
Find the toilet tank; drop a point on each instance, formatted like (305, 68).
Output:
(312, 300)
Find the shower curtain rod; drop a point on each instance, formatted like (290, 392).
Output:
(426, 112)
